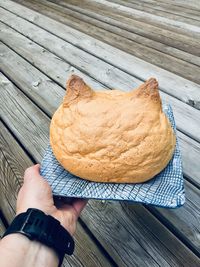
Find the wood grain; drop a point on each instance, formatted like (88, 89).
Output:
(154, 235)
(48, 63)
(122, 21)
(173, 25)
(15, 66)
(167, 58)
(153, 251)
(94, 26)
(7, 166)
(149, 18)
(168, 12)
(116, 252)
(155, 227)
(190, 151)
(168, 5)
(170, 9)
(179, 87)
(13, 163)
(193, 4)
(187, 217)
(37, 85)
(12, 169)
(187, 118)
(15, 108)
(2, 228)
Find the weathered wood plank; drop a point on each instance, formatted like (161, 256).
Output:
(109, 75)
(51, 8)
(37, 85)
(28, 143)
(187, 217)
(156, 20)
(31, 130)
(11, 170)
(189, 263)
(86, 254)
(159, 12)
(2, 228)
(54, 66)
(14, 66)
(179, 87)
(13, 163)
(190, 151)
(135, 208)
(187, 118)
(18, 100)
(130, 45)
(152, 231)
(168, 8)
(120, 228)
(172, 8)
(165, 9)
(192, 4)
(165, 36)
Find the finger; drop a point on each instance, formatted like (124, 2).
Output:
(79, 205)
(33, 171)
(61, 201)
(75, 208)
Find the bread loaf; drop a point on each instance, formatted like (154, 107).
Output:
(112, 136)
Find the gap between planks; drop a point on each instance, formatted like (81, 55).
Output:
(137, 17)
(100, 226)
(152, 33)
(37, 129)
(157, 20)
(89, 17)
(193, 5)
(170, 11)
(188, 92)
(14, 162)
(116, 78)
(14, 67)
(174, 60)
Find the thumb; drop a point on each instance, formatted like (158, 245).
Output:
(78, 205)
(75, 207)
(32, 172)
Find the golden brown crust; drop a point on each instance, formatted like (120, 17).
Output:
(76, 89)
(112, 136)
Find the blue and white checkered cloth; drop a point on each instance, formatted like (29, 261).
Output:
(165, 189)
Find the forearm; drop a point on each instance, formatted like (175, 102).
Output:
(17, 250)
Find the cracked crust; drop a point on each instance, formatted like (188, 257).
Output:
(112, 136)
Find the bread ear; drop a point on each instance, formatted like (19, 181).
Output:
(149, 89)
(76, 89)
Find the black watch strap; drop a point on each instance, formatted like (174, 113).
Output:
(36, 225)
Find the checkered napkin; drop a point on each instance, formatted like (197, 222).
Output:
(165, 189)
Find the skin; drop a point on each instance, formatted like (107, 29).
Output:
(17, 250)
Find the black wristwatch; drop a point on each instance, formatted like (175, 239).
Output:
(36, 225)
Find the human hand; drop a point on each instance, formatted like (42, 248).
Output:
(36, 193)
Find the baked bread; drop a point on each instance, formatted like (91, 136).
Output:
(112, 136)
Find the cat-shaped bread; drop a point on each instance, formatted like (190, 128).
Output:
(112, 136)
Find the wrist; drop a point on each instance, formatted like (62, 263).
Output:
(45, 230)
(18, 248)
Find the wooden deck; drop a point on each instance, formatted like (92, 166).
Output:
(111, 44)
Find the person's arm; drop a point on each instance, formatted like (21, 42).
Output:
(17, 250)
